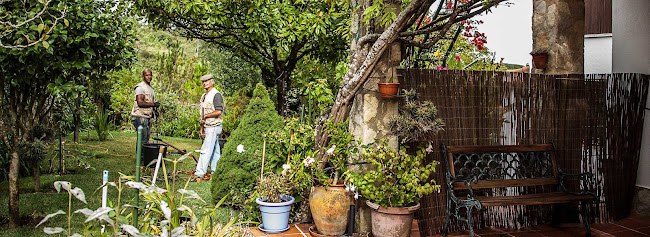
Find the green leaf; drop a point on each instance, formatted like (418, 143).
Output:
(40, 28)
(66, 22)
(46, 44)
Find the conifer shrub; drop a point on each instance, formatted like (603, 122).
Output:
(237, 171)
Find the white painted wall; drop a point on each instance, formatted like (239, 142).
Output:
(631, 36)
(598, 53)
(631, 53)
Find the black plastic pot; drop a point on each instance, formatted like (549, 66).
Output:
(150, 153)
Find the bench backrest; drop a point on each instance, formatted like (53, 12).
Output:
(502, 166)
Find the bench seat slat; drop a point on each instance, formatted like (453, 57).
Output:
(505, 183)
(532, 199)
(511, 148)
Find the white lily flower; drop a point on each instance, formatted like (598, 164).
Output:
(356, 196)
(76, 235)
(65, 184)
(240, 148)
(51, 231)
(59, 212)
(131, 230)
(286, 166)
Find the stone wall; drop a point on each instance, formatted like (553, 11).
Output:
(559, 26)
(641, 203)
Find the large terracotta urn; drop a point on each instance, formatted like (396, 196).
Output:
(329, 207)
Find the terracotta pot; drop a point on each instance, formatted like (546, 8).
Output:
(388, 90)
(539, 60)
(330, 208)
(391, 221)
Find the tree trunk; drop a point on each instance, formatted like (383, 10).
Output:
(76, 117)
(14, 195)
(281, 92)
(362, 63)
(36, 175)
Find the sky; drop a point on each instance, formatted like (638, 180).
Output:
(509, 31)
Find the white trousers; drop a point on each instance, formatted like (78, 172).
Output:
(210, 151)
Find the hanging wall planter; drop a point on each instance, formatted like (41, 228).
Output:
(540, 57)
(387, 89)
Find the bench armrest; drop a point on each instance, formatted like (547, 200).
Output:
(467, 181)
(585, 178)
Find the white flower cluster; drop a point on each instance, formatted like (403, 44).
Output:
(286, 169)
(308, 161)
(331, 150)
(351, 188)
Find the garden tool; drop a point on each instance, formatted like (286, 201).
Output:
(155, 173)
(181, 151)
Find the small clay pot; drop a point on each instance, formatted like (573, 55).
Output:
(388, 90)
(539, 60)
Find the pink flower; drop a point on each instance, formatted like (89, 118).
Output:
(457, 58)
(429, 149)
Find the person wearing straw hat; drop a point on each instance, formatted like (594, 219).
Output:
(212, 106)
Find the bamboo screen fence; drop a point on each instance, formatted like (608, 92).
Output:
(595, 121)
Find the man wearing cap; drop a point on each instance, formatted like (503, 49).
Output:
(211, 118)
(144, 104)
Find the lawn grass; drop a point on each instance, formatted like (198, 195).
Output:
(115, 155)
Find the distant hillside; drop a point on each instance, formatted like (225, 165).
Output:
(510, 66)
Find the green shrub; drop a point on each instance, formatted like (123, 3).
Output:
(238, 171)
(101, 125)
(235, 108)
(177, 119)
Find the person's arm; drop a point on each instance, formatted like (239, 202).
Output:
(142, 103)
(202, 132)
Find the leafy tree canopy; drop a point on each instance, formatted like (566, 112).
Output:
(94, 38)
(273, 35)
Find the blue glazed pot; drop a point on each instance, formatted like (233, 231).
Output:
(275, 216)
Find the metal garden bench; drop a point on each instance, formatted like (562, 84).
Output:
(472, 168)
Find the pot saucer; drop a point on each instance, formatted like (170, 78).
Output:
(261, 227)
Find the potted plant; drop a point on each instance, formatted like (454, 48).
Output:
(540, 57)
(394, 187)
(388, 89)
(275, 202)
(329, 200)
(417, 120)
